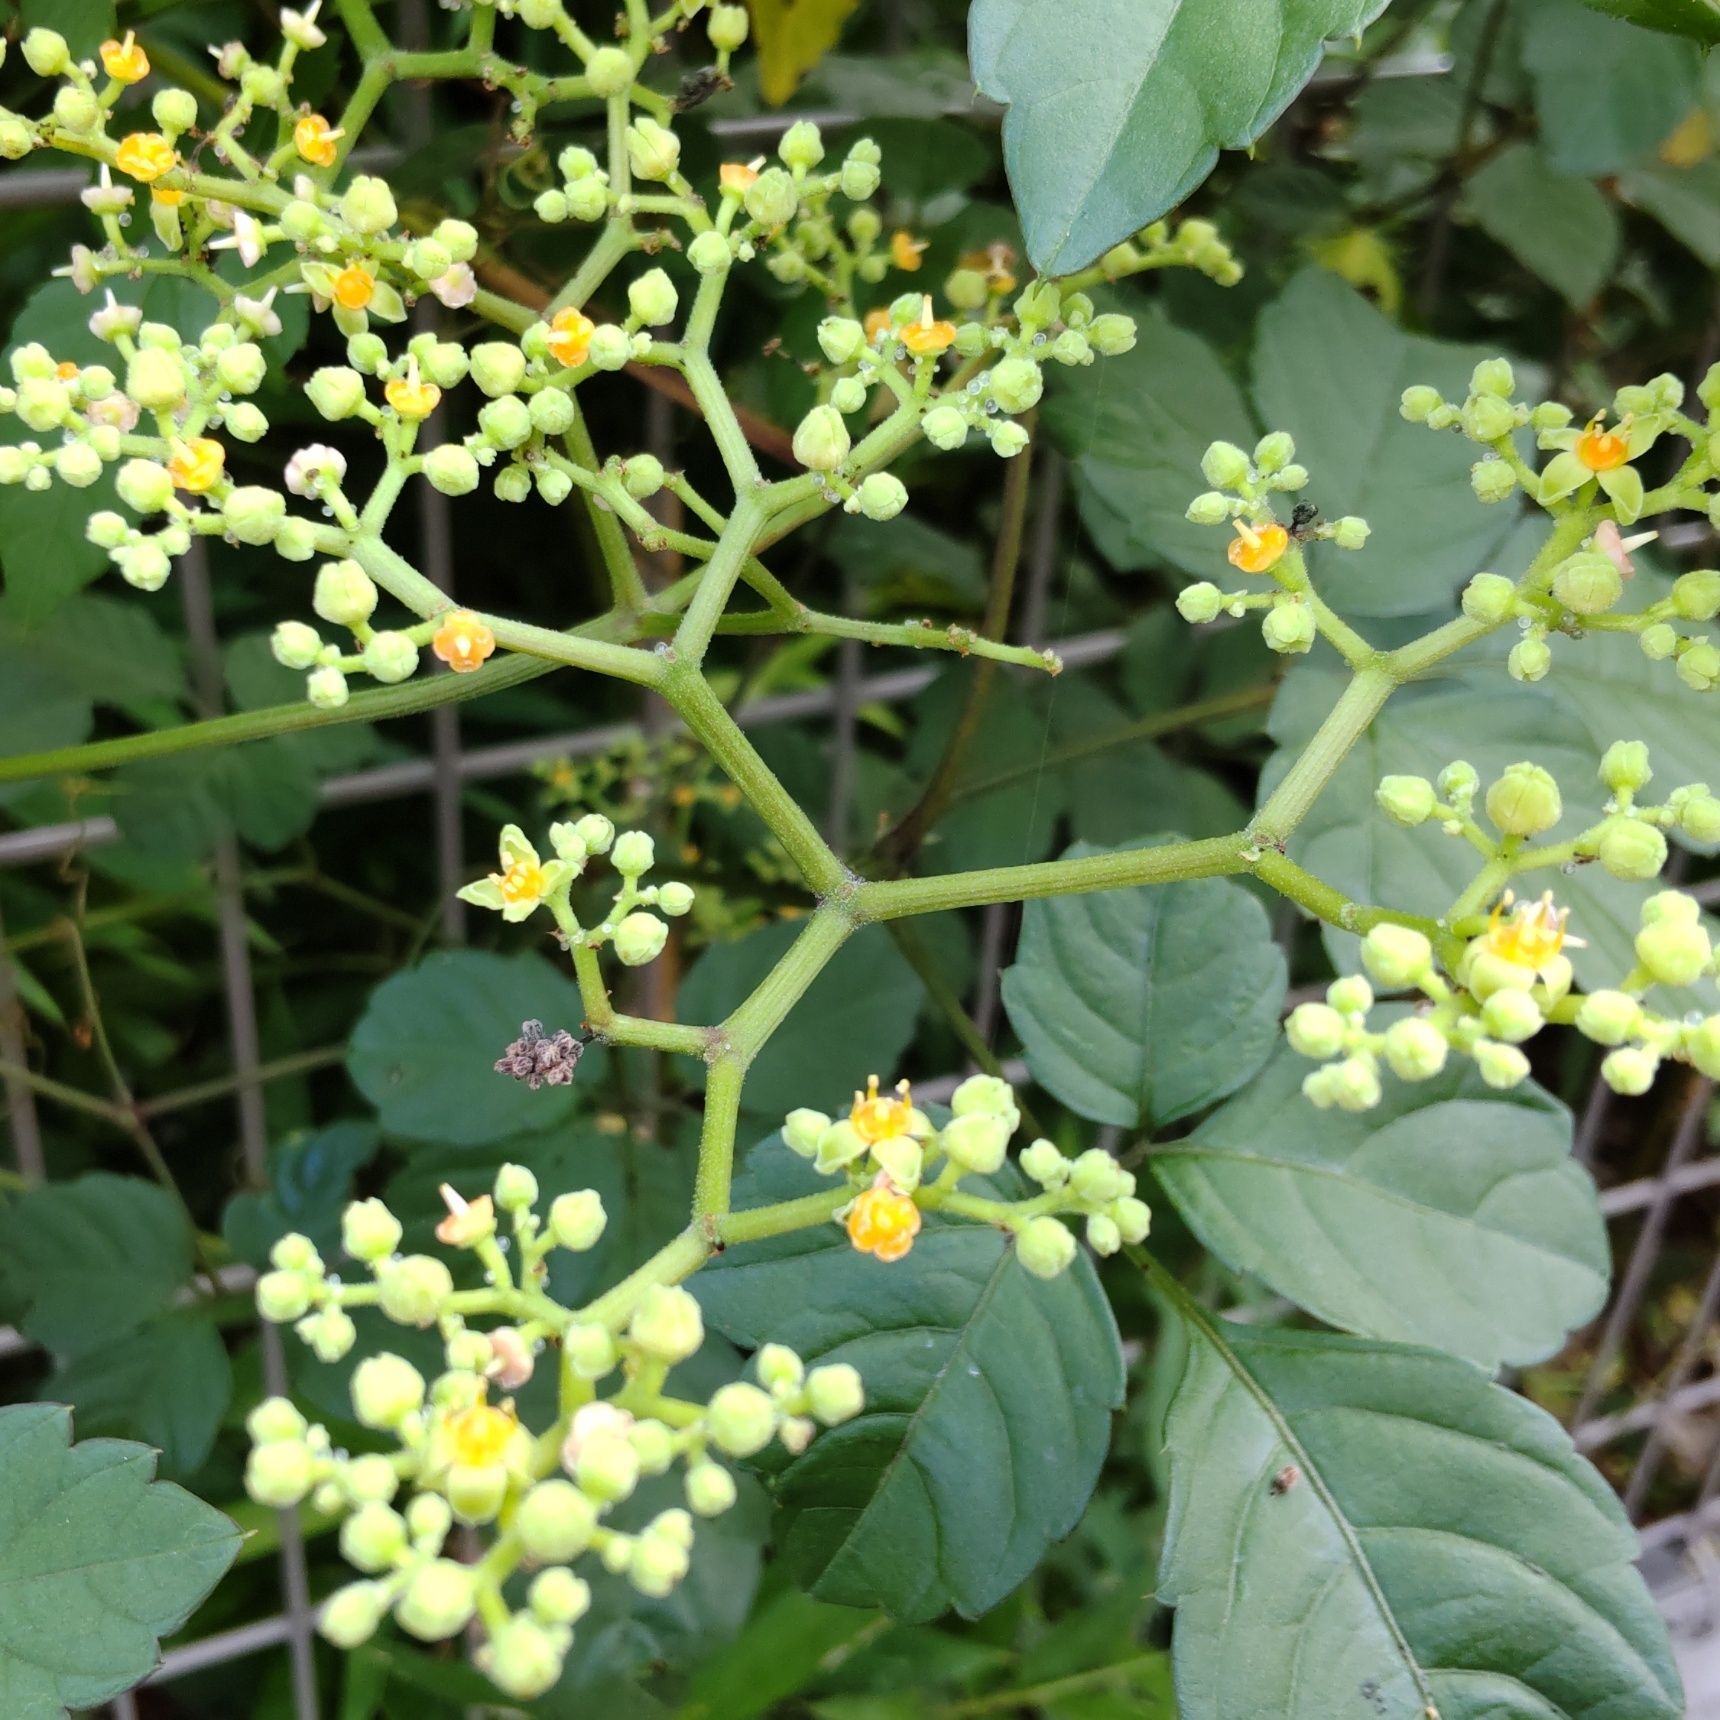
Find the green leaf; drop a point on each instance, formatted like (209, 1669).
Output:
(1697, 19)
(109, 650)
(43, 551)
(1118, 108)
(98, 1561)
(1329, 368)
(1135, 439)
(781, 1653)
(85, 24)
(1556, 225)
(1684, 200)
(1137, 1007)
(1359, 1217)
(180, 807)
(988, 1402)
(855, 1020)
(1606, 93)
(1370, 1529)
(424, 1051)
(310, 1182)
(38, 710)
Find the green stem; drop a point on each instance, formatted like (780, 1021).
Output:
(753, 1022)
(1345, 724)
(715, 1176)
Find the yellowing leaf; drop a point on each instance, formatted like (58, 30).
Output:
(792, 37)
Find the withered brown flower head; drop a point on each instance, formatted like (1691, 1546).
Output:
(542, 1059)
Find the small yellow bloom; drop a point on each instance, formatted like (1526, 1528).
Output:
(1532, 935)
(877, 323)
(1257, 549)
(1603, 450)
(196, 465)
(735, 177)
(479, 1435)
(65, 370)
(411, 397)
(354, 287)
(168, 196)
(145, 155)
(570, 336)
(878, 1118)
(463, 642)
(883, 1221)
(906, 250)
(315, 140)
(125, 62)
(926, 337)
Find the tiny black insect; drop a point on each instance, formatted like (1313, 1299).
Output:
(698, 87)
(1304, 520)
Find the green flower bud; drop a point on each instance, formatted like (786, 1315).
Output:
(326, 688)
(640, 939)
(1511, 1015)
(368, 206)
(429, 1520)
(336, 391)
(279, 1473)
(657, 1565)
(1493, 376)
(296, 540)
(1608, 1017)
(1315, 1030)
(294, 645)
(1524, 801)
(390, 657)
(523, 1658)
(107, 530)
(780, 1371)
(451, 469)
(438, 1601)
(772, 199)
(967, 289)
(385, 1390)
(1350, 532)
(945, 428)
(1288, 627)
(516, 1189)
(344, 593)
(1674, 952)
(1696, 595)
(475, 1494)
(653, 150)
(1406, 800)
(1699, 817)
(351, 1615)
(727, 28)
(609, 71)
(652, 298)
(742, 1419)
(977, 1142)
(709, 253)
(882, 496)
(1045, 1247)
(607, 1466)
(1418, 402)
(1045, 1164)
(1489, 598)
(1625, 768)
(858, 181)
(821, 441)
(1351, 995)
(588, 199)
(76, 110)
(710, 1489)
(274, 1419)
(369, 1231)
(241, 368)
(802, 1129)
(557, 1596)
(1588, 583)
(78, 465)
(252, 514)
(506, 422)
(1699, 666)
(1530, 659)
(413, 1289)
(1199, 602)
(283, 1296)
(589, 1349)
(1209, 508)
(155, 379)
(1492, 481)
(1355, 1084)
(373, 1537)
(1486, 418)
(1628, 848)
(1007, 439)
(1397, 956)
(330, 1333)
(1272, 453)
(1103, 1235)
(667, 1323)
(17, 138)
(498, 367)
(1415, 1050)
(576, 1219)
(1702, 1046)
(551, 206)
(1017, 384)
(1224, 466)
(1112, 334)
(1629, 1070)
(144, 565)
(1672, 907)
(801, 146)
(45, 52)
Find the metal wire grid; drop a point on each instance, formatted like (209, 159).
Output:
(1685, 1174)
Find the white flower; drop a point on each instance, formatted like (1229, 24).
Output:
(246, 238)
(116, 409)
(81, 271)
(302, 28)
(312, 468)
(231, 58)
(114, 319)
(106, 198)
(456, 287)
(258, 315)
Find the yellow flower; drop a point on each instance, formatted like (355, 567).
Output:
(906, 250)
(463, 642)
(125, 62)
(354, 287)
(883, 1221)
(877, 1118)
(412, 398)
(145, 155)
(926, 338)
(1257, 549)
(1603, 450)
(196, 465)
(570, 333)
(1532, 935)
(523, 882)
(479, 1435)
(315, 140)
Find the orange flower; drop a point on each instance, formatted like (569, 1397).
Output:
(877, 323)
(354, 287)
(736, 176)
(197, 465)
(125, 62)
(570, 333)
(1603, 450)
(412, 398)
(145, 155)
(479, 1435)
(1532, 935)
(883, 1221)
(463, 642)
(315, 140)
(906, 250)
(926, 338)
(1257, 549)
(65, 370)
(876, 1118)
(468, 1221)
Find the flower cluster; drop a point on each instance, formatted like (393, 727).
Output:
(1242, 496)
(552, 1497)
(524, 882)
(1503, 983)
(886, 1147)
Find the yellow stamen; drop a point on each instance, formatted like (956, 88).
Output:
(315, 140)
(877, 1118)
(354, 287)
(1603, 450)
(196, 465)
